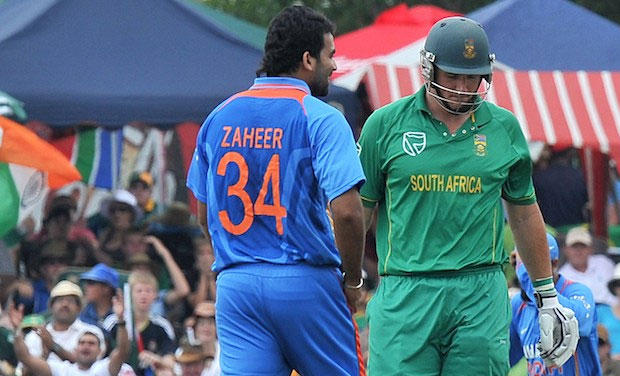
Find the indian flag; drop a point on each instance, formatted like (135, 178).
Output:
(29, 167)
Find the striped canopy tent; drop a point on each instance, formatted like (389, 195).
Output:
(580, 109)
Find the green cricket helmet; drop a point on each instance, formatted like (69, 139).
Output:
(457, 45)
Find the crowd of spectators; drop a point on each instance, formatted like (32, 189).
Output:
(64, 305)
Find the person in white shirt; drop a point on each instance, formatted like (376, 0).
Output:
(60, 336)
(593, 270)
(87, 353)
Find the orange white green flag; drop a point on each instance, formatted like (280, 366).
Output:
(29, 167)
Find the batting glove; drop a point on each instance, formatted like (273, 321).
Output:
(559, 329)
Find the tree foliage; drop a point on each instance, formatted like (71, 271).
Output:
(350, 15)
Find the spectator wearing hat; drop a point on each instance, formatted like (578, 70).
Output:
(193, 359)
(60, 336)
(609, 316)
(585, 267)
(203, 326)
(122, 212)
(100, 284)
(53, 258)
(88, 354)
(609, 366)
(141, 186)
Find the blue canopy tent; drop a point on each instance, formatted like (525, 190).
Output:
(111, 62)
(558, 35)
(550, 35)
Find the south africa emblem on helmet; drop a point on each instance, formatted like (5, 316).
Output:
(480, 145)
(470, 50)
(414, 143)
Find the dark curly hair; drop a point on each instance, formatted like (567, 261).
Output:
(295, 30)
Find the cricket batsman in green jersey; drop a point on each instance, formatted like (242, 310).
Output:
(438, 164)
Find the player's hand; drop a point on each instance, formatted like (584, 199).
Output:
(559, 329)
(16, 314)
(353, 292)
(46, 337)
(354, 297)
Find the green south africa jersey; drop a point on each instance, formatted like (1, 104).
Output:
(438, 194)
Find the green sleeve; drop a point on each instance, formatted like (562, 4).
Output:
(518, 188)
(370, 155)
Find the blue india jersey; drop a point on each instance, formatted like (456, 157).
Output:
(525, 330)
(267, 163)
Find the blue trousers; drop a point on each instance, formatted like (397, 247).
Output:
(275, 318)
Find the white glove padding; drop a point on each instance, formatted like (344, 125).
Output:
(559, 330)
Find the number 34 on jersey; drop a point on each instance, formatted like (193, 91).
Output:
(266, 138)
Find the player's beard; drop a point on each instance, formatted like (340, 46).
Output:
(319, 86)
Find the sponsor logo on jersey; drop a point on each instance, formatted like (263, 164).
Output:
(414, 143)
(480, 145)
(446, 183)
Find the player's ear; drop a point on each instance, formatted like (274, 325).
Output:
(308, 61)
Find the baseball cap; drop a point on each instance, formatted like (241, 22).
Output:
(32, 321)
(65, 288)
(578, 235)
(121, 197)
(143, 177)
(101, 273)
(205, 309)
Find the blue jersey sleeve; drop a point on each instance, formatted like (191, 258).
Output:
(334, 155)
(579, 298)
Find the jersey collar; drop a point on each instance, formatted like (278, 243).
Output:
(280, 83)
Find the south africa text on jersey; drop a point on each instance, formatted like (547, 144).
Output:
(446, 183)
(252, 137)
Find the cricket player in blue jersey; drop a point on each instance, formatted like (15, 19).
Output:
(525, 332)
(268, 163)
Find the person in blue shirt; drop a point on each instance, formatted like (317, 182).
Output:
(525, 332)
(271, 165)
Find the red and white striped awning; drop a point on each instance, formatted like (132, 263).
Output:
(579, 109)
